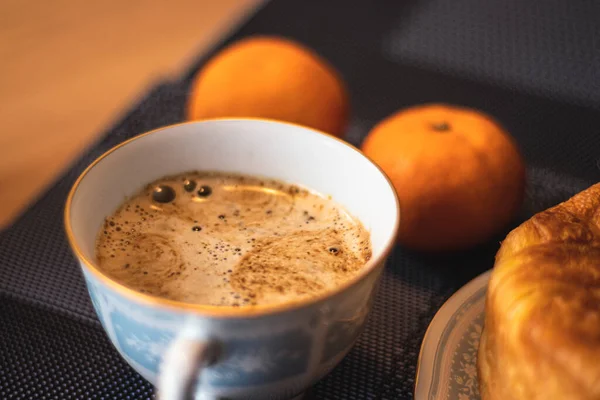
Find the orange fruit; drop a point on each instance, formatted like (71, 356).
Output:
(459, 176)
(271, 77)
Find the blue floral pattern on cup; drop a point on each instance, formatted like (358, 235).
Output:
(140, 342)
(96, 302)
(276, 358)
(262, 360)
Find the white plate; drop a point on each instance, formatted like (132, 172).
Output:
(447, 362)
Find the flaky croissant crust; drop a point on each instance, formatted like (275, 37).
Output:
(541, 338)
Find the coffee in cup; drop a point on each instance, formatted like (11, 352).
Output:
(231, 240)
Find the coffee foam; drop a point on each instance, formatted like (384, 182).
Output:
(250, 242)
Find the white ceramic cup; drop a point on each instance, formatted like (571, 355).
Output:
(214, 352)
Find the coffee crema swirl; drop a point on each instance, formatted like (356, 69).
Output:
(231, 240)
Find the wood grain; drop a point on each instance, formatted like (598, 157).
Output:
(70, 68)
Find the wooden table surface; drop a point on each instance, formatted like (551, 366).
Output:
(69, 69)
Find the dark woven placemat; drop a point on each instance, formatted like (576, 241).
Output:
(51, 343)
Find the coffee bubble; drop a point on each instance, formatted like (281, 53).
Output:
(163, 194)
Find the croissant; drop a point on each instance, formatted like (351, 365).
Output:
(541, 336)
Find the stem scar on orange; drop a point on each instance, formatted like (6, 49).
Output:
(271, 77)
(459, 176)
